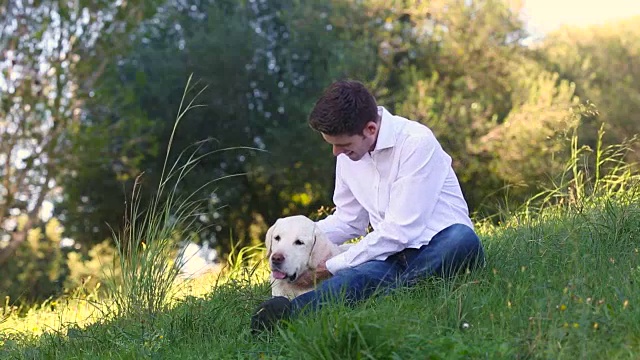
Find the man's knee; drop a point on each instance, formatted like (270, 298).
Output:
(462, 232)
(467, 252)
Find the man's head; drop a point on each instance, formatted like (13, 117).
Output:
(347, 116)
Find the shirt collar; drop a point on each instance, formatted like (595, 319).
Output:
(386, 133)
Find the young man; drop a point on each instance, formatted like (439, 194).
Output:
(393, 174)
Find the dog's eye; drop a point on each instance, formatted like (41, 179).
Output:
(277, 238)
(298, 242)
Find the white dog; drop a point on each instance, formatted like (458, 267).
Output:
(295, 245)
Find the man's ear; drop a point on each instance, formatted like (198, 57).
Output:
(269, 238)
(371, 128)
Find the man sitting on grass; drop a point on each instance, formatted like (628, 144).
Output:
(393, 174)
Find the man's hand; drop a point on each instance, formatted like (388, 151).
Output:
(312, 277)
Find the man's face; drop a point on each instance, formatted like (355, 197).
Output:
(354, 146)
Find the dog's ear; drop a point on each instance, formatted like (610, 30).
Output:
(269, 238)
(320, 250)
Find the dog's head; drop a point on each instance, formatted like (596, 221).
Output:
(294, 245)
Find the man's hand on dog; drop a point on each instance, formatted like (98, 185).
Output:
(312, 277)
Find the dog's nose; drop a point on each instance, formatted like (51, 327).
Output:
(277, 258)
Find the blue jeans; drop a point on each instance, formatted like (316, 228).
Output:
(453, 249)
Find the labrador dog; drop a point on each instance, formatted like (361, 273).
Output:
(295, 245)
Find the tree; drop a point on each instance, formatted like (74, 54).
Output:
(264, 64)
(604, 63)
(452, 66)
(52, 54)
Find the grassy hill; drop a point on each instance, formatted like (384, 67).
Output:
(561, 282)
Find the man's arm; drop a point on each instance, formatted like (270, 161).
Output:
(350, 220)
(413, 196)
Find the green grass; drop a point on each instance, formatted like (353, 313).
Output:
(564, 285)
(142, 281)
(561, 282)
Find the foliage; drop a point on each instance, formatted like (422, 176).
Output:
(603, 61)
(470, 79)
(147, 261)
(98, 112)
(37, 269)
(530, 148)
(90, 271)
(51, 58)
(591, 175)
(274, 67)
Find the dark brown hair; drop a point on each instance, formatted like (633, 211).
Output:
(344, 108)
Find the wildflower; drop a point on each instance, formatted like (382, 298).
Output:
(576, 325)
(563, 307)
(595, 326)
(523, 268)
(509, 304)
(566, 325)
(625, 304)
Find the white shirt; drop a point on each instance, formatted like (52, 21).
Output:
(405, 188)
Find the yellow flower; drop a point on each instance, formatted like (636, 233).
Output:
(595, 325)
(576, 325)
(563, 307)
(625, 304)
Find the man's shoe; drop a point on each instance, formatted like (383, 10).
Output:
(269, 313)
